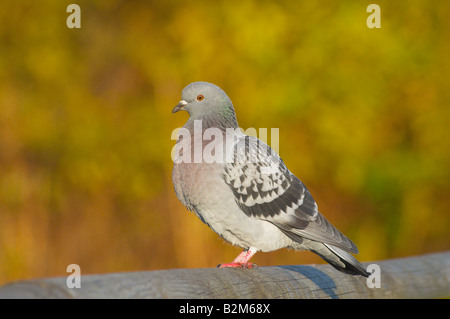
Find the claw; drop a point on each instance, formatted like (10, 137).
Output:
(241, 261)
(237, 265)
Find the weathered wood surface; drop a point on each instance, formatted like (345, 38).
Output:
(426, 276)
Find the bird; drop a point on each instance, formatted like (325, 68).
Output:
(246, 194)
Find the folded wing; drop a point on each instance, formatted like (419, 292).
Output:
(264, 188)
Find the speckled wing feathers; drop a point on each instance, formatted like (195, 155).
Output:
(264, 188)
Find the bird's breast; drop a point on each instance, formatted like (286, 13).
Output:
(198, 184)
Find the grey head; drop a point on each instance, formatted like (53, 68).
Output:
(206, 100)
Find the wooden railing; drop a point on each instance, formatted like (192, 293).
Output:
(426, 276)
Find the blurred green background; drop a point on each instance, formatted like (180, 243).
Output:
(85, 125)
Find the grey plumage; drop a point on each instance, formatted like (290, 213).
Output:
(252, 200)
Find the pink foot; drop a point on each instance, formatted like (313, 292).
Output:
(241, 261)
(237, 265)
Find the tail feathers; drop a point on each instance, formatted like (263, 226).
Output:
(341, 260)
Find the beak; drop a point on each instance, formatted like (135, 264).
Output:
(180, 106)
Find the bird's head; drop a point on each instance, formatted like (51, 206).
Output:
(202, 99)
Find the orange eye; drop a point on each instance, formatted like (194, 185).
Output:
(200, 97)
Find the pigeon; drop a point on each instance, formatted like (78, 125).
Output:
(241, 188)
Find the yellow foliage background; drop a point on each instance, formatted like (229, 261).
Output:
(85, 125)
